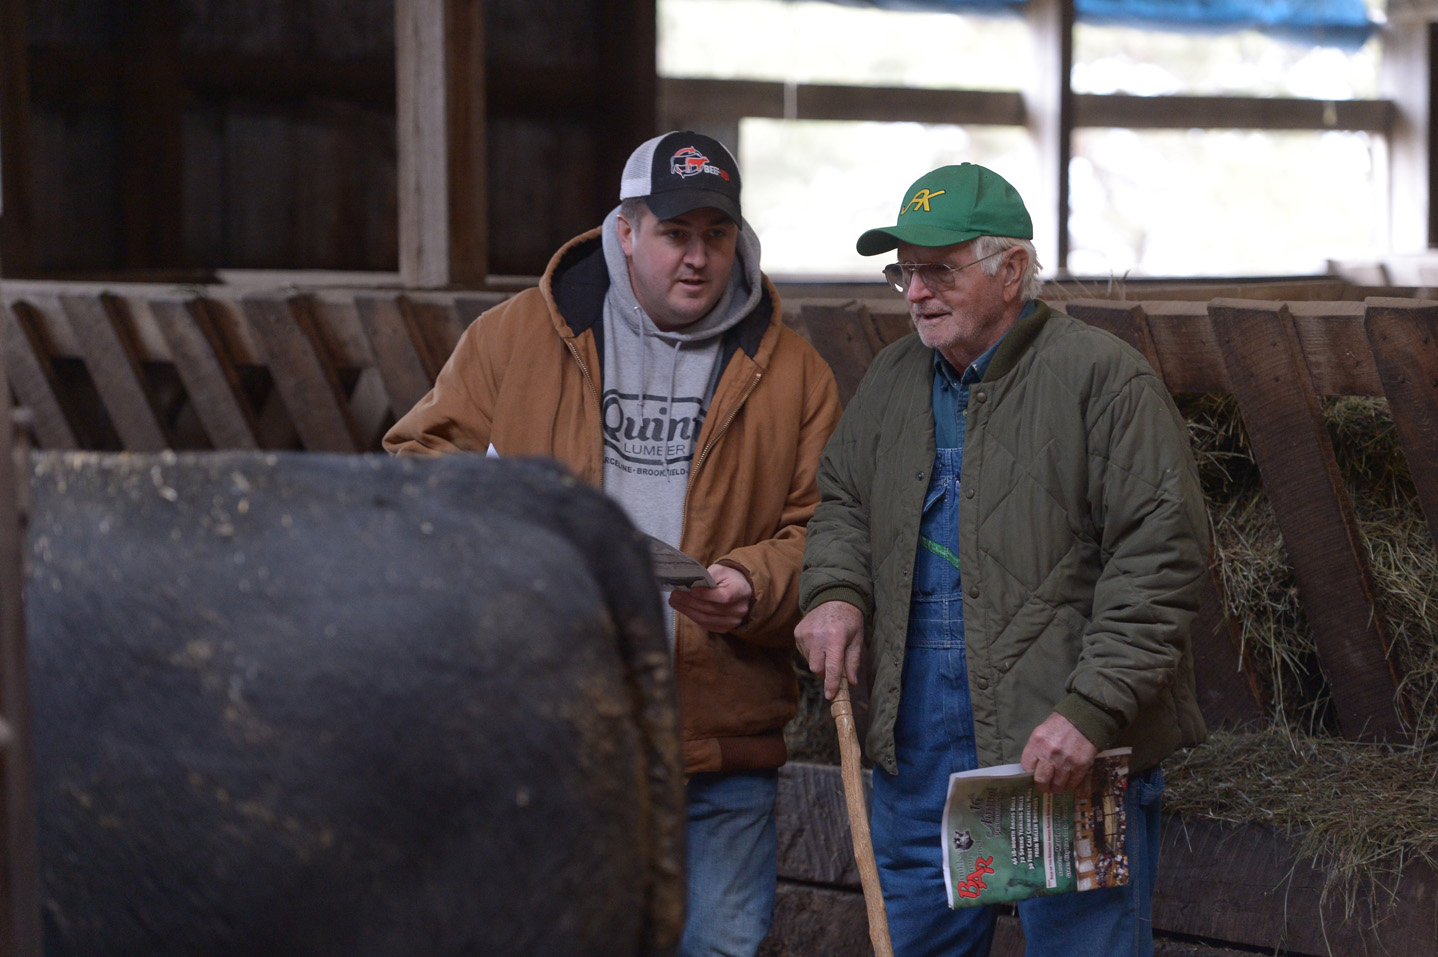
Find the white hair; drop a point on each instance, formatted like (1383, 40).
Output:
(989, 245)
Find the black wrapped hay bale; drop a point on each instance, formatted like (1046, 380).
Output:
(347, 705)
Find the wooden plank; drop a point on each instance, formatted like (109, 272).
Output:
(210, 378)
(1127, 320)
(1198, 289)
(890, 322)
(1403, 334)
(1284, 421)
(1225, 679)
(276, 430)
(405, 377)
(822, 101)
(837, 331)
(469, 306)
(28, 366)
(336, 322)
(370, 409)
(440, 92)
(1244, 885)
(438, 325)
(110, 354)
(1230, 112)
(1335, 347)
(813, 822)
(817, 920)
(686, 101)
(1187, 348)
(1175, 337)
(305, 376)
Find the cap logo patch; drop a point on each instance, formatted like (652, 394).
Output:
(921, 201)
(690, 162)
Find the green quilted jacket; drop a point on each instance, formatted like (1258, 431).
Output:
(1083, 539)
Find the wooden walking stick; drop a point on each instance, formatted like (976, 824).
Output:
(859, 820)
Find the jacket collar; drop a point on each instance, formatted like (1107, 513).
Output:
(1017, 340)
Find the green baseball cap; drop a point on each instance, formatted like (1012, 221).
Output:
(953, 204)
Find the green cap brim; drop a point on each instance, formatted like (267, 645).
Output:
(885, 238)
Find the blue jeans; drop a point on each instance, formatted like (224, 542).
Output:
(1110, 921)
(732, 863)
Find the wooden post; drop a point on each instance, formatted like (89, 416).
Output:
(16, 250)
(440, 110)
(1049, 104)
(1410, 80)
(1403, 334)
(19, 868)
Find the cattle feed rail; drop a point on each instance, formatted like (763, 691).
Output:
(128, 367)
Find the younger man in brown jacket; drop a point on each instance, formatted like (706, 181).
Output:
(653, 361)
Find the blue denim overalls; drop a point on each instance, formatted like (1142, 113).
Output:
(934, 728)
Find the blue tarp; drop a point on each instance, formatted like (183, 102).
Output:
(1326, 22)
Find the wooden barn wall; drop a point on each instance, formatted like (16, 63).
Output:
(298, 175)
(73, 129)
(169, 135)
(571, 91)
(212, 133)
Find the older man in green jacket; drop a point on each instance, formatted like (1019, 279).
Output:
(1011, 513)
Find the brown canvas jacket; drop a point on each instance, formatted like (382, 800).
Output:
(525, 378)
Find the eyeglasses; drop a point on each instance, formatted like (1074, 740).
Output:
(940, 277)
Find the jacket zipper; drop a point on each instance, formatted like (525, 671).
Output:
(583, 369)
(704, 453)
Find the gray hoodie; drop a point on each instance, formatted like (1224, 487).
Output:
(657, 387)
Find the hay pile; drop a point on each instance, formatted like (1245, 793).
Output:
(1360, 811)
